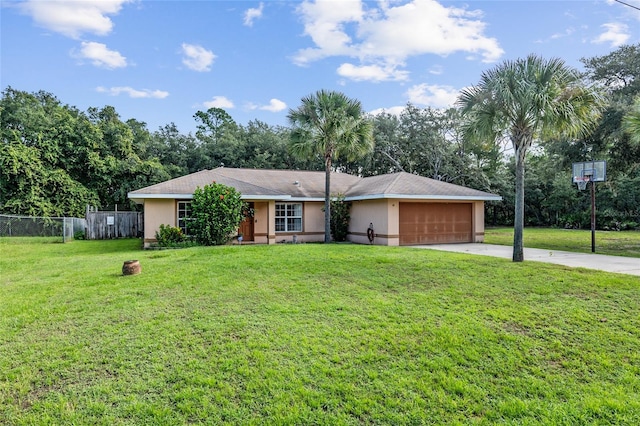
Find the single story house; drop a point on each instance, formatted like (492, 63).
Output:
(402, 208)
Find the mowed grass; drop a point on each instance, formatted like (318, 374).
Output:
(614, 243)
(310, 334)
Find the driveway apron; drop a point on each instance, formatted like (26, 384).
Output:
(618, 264)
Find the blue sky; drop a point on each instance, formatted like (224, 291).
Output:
(162, 61)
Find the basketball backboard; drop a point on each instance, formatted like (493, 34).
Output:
(590, 171)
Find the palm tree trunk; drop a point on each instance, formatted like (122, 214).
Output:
(518, 222)
(327, 199)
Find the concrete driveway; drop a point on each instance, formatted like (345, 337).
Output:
(621, 265)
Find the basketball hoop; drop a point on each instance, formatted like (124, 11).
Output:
(590, 171)
(582, 181)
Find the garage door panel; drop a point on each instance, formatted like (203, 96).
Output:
(435, 223)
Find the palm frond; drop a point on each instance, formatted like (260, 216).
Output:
(528, 98)
(332, 125)
(631, 122)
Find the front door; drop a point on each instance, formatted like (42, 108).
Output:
(246, 227)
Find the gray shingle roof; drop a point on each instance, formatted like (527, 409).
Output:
(296, 184)
(398, 185)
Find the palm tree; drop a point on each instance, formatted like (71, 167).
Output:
(526, 100)
(631, 122)
(331, 125)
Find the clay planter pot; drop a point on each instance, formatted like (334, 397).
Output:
(131, 267)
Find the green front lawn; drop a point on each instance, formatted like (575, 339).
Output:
(615, 243)
(310, 334)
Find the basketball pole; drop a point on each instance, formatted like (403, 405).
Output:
(593, 216)
(583, 173)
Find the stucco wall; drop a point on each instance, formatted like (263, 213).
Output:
(313, 218)
(383, 214)
(261, 222)
(156, 213)
(478, 221)
(312, 225)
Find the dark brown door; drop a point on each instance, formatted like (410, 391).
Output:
(435, 223)
(246, 227)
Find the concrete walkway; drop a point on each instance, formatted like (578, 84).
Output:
(621, 265)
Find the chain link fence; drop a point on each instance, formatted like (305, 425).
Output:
(30, 226)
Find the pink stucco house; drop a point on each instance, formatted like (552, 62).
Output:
(404, 209)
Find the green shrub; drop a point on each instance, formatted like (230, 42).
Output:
(340, 215)
(169, 236)
(216, 213)
(630, 226)
(78, 235)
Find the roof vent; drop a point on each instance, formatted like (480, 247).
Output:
(296, 183)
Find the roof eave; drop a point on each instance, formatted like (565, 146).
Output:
(425, 197)
(141, 197)
(307, 199)
(265, 197)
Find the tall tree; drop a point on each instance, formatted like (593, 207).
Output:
(331, 125)
(631, 122)
(123, 169)
(385, 156)
(213, 125)
(141, 137)
(618, 74)
(266, 147)
(217, 133)
(178, 153)
(432, 144)
(43, 156)
(525, 100)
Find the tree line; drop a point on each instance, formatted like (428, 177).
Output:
(56, 159)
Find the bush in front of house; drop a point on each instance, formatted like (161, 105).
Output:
(340, 215)
(216, 213)
(169, 236)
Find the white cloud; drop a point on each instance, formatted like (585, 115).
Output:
(616, 34)
(394, 110)
(100, 55)
(133, 93)
(275, 105)
(252, 14)
(566, 33)
(374, 73)
(435, 96)
(555, 36)
(392, 32)
(324, 23)
(426, 26)
(73, 18)
(436, 70)
(197, 58)
(218, 102)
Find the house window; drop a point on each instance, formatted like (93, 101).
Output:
(184, 214)
(288, 217)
